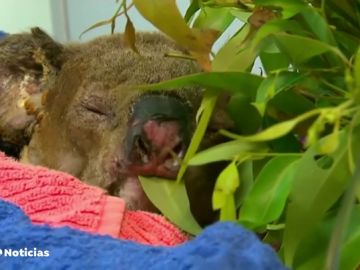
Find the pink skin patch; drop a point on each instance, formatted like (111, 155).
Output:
(164, 138)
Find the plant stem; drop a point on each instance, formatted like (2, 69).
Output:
(179, 55)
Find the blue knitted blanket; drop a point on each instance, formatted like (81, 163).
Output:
(24, 245)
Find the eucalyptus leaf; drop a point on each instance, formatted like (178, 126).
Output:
(289, 44)
(347, 10)
(129, 35)
(171, 199)
(312, 252)
(273, 132)
(237, 82)
(235, 55)
(288, 8)
(194, 6)
(317, 23)
(314, 191)
(239, 106)
(272, 27)
(246, 175)
(241, 14)
(274, 61)
(223, 197)
(350, 258)
(226, 151)
(228, 211)
(95, 25)
(275, 84)
(198, 42)
(292, 103)
(208, 104)
(215, 18)
(356, 89)
(266, 200)
(226, 184)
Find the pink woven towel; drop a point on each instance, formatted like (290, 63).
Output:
(59, 199)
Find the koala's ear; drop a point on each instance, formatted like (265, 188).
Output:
(26, 60)
(28, 52)
(47, 51)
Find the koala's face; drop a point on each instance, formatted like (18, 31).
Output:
(92, 121)
(98, 126)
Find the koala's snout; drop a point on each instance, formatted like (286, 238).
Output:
(158, 136)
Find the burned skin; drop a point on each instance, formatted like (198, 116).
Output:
(86, 115)
(82, 126)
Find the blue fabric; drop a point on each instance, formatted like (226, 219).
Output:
(221, 246)
(2, 34)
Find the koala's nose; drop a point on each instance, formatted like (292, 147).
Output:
(159, 132)
(158, 141)
(141, 150)
(157, 149)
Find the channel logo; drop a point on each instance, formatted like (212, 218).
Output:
(23, 252)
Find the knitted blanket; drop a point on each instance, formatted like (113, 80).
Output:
(85, 229)
(59, 199)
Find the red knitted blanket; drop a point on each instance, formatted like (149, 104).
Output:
(59, 199)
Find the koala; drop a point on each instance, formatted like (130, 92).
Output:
(76, 108)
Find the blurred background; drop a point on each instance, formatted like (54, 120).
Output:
(65, 20)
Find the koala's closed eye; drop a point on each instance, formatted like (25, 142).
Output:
(97, 105)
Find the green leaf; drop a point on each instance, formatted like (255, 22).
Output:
(318, 24)
(343, 219)
(235, 55)
(350, 258)
(245, 170)
(240, 14)
(348, 43)
(194, 6)
(228, 211)
(273, 61)
(129, 35)
(347, 11)
(312, 252)
(292, 103)
(286, 144)
(226, 184)
(231, 81)
(226, 151)
(223, 197)
(272, 27)
(357, 77)
(289, 45)
(208, 104)
(288, 8)
(315, 189)
(266, 200)
(214, 18)
(95, 25)
(241, 105)
(275, 84)
(273, 132)
(329, 144)
(171, 199)
(164, 15)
